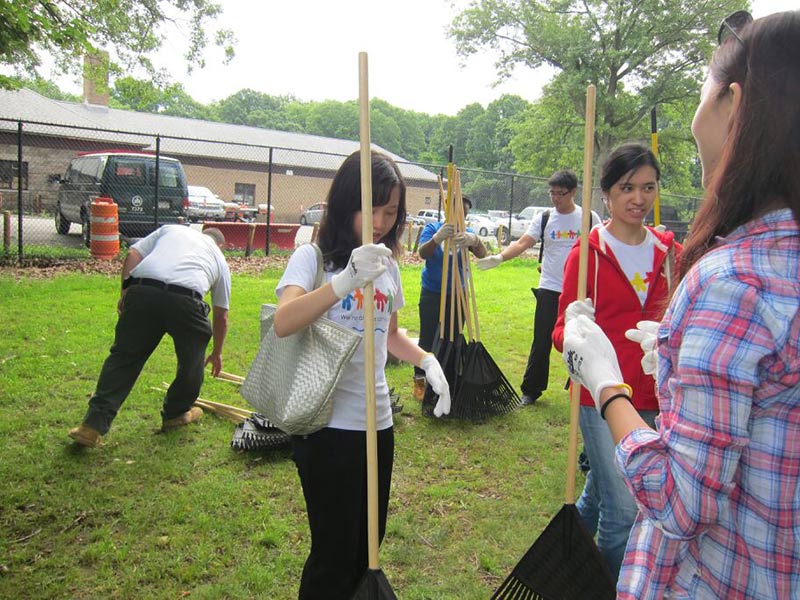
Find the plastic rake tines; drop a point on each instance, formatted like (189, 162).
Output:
(563, 564)
(483, 390)
(257, 433)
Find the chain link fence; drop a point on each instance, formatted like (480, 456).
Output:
(50, 173)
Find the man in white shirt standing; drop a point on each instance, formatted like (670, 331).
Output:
(164, 279)
(561, 230)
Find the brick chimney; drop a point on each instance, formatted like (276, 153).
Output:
(95, 78)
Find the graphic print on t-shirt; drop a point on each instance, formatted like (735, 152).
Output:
(569, 234)
(382, 300)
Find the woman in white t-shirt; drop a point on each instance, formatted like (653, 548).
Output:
(331, 462)
(629, 279)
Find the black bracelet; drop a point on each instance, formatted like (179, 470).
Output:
(610, 400)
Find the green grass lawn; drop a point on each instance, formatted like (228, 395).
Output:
(176, 515)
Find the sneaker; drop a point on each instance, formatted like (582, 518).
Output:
(419, 387)
(85, 435)
(527, 400)
(190, 416)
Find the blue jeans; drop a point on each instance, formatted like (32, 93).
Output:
(605, 489)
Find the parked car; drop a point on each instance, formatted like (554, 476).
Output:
(521, 222)
(415, 220)
(481, 224)
(430, 216)
(204, 204)
(313, 214)
(498, 216)
(129, 179)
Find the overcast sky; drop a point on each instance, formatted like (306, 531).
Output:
(309, 49)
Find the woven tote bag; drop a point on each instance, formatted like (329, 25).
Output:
(292, 378)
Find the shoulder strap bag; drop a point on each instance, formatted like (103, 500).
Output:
(292, 378)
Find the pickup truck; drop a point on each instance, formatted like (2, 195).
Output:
(520, 222)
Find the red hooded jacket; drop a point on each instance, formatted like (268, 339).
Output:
(618, 308)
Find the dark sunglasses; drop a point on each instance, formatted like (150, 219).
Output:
(732, 24)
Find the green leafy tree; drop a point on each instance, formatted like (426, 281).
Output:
(156, 97)
(639, 54)
(248, 107)
(46, 88)
(129, 29)
(333, 119)
(491, 132)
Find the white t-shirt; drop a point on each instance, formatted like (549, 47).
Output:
(560, 235)
(183, 256)
(636, 261)
(349, 398)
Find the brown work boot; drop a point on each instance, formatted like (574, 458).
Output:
(190, 416)
(419, 387)
(85, 435)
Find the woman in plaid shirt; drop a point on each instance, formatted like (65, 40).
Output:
(718, 484)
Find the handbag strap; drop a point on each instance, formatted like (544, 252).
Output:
(319, 280)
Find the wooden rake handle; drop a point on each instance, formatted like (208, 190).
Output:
(230, 377)
(369, 315)
(583, 263)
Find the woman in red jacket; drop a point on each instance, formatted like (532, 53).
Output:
(629, 279)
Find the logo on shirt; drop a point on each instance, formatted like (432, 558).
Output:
(353, 303)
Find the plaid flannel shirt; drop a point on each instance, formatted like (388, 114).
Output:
(718, 486)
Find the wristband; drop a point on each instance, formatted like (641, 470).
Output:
(610, 400)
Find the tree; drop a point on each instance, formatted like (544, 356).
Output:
(129, 29)
(155, 96)
(248, 107)
(639, 54)
(491, 133)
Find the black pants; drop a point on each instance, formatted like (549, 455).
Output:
(332, 465)
(147, 314)
(429, 304)
(534, 382)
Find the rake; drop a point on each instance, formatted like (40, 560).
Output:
(482, 391)
(230, 377)
(448, 343)
(373, 585)
(564, 562)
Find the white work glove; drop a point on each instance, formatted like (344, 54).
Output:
(490, 262)
(577, 308)
(445, 232)
(365, 265)
(590, 357)
(465, 239)
(645, 335)
(438, 382)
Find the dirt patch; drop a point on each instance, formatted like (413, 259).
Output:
(44, 268)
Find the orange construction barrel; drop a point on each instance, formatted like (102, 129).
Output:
(104, 229)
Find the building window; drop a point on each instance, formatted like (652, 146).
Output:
(9, 174)
(245, 193)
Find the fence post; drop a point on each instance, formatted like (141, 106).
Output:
(7, 231)
(19, 190)
(158, 180)
(511, 205)
(269, 202)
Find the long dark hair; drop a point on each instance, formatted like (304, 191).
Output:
(336, 236)
(759, 168)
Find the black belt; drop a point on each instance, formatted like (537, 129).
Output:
(169, 287)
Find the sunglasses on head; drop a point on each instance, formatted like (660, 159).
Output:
(732, 24)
